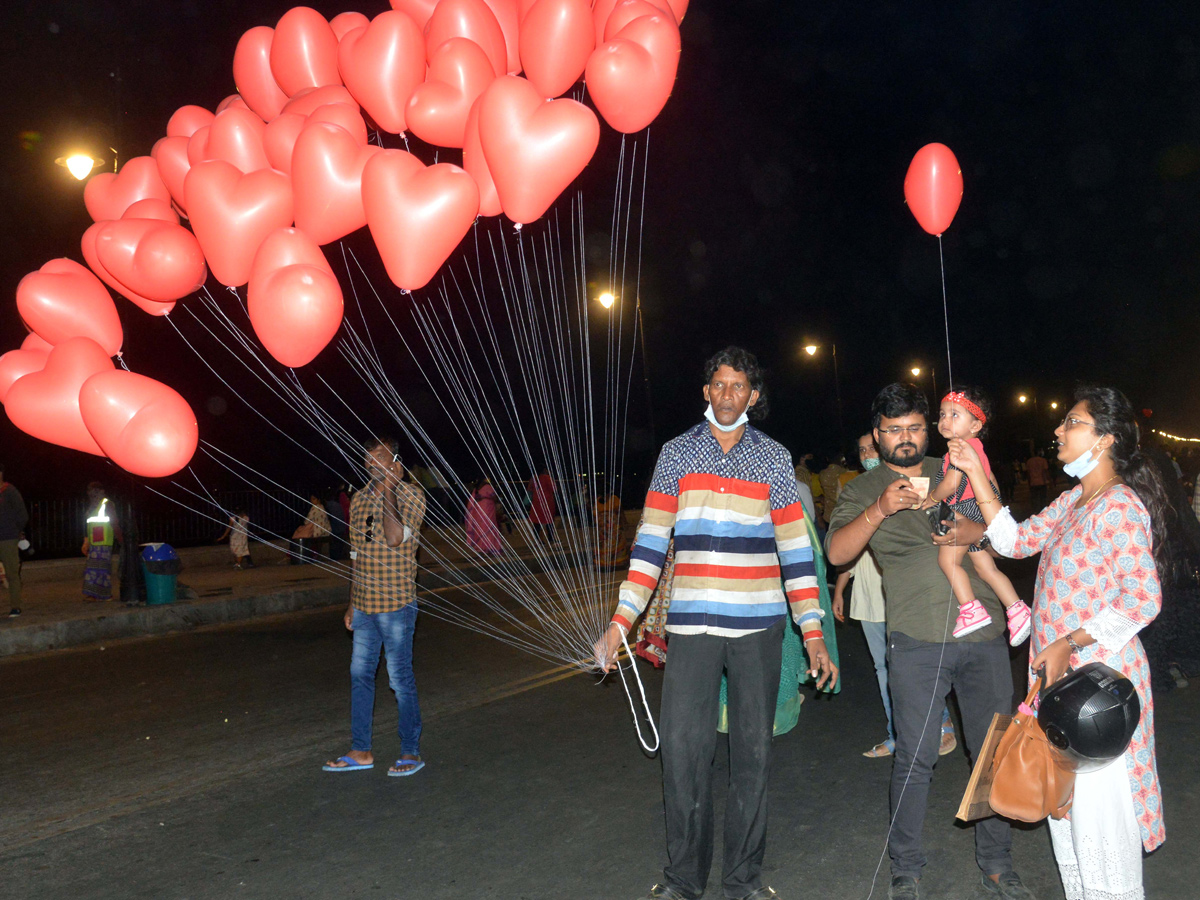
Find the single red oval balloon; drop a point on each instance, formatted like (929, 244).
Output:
(63, 300)
(534, 147)
(933, 187)
(142, 425)
(471, 19)
(476, 166)
(171, 157)
(293, 300)
(45, 404)
(16, 364)
(327, 167)
(630, 77)
(187, 120)
(231, 213)
(252, 73)
(304, 51)
(417, 215)
(459, 71)
(344, 23)
(382, 65)
(557, 37)
(107, 196)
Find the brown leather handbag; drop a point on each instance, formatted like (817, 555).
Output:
(1027, 785)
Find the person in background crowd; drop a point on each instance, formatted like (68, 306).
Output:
(483, 519)
(14, 516)
(314, 530)
(102, 532)
(831, 483)
(338, 527)
(542, 507)
(238, 532)
(1037, 471)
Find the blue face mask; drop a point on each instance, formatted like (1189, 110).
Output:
(711, 416)
(870, 463)
(1084, 464)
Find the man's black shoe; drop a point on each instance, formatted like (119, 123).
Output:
(1009, 887)
(904, 887)
(664, 892)
(13, 613)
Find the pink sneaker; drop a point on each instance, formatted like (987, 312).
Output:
(1019, 621)
(971, 617)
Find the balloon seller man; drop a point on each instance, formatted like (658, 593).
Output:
(742, 558)
(385, 526)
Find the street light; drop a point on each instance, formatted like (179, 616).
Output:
(811, 350)
(80, 165)
(607, 299)
(916, 373)
(1022, 398)
(1054, 404)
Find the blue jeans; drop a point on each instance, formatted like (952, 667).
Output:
(393, 633)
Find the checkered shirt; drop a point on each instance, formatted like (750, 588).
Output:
(385, 578)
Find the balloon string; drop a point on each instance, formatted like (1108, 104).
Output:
(642, 691)
(945, 315)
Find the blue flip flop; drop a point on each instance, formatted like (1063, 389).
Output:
(351, 765)
(417, 766)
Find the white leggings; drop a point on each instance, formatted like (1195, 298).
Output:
(1099, 849)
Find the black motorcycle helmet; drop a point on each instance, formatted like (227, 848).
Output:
(1089, 717)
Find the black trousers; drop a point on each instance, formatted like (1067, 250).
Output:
(920, 676)
(690, 708)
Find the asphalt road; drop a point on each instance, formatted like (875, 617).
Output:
(189, 767)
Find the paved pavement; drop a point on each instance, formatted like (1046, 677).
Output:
(188, 766)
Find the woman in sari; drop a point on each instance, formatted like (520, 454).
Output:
(1097, 587)
(483, 519)
(101, 534)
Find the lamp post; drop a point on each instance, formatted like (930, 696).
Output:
(811, 350)
(916, 373)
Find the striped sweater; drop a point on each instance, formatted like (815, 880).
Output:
(740, 539)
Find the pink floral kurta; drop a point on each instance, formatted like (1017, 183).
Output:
(1095, 558)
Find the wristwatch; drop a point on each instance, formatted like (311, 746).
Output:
(984, 542)
(1075, 648)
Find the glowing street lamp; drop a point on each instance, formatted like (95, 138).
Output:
(916, 370)
(1054, 404)
(80, 165)
(811, 350)
(607, 299)
(916, 373)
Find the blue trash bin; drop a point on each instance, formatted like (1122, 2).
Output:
(160, 563)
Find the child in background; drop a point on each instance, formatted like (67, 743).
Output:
(238, 532)
(963, 415)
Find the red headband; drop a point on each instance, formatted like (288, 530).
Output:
(961, 399)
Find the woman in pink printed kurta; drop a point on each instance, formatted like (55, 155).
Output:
(1092, 558)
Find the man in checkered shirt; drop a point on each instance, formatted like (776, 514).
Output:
(385, 526)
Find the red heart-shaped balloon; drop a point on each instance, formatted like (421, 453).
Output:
(233, 101)
(45, 404)
(418, 10)
(344, 115)
(557, 36)
(88, 245)
(170, 155)
(304, 51)
(63, 300)
(142, 425)
(158, 260)
(603, 9)
(252, 73)
(33, 342)
(17, 363)
(459, 71)
(306, 101)
(279, 139)
(344, 23)
(152, 208)
(107, 196)
(293, 300)
(630, 77)
(382, 64)
(187, 120)
(625, 11)
(534, 147)
(232, 212)
(476, 165)
(508, 15)
(236, 136)
(471, 19)
(417, 215)
(327, 167)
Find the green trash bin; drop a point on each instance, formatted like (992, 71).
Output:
(161, 567)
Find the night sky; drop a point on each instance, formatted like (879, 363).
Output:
(774, 213)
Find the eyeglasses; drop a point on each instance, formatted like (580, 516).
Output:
(912, 430)
(1070, 422)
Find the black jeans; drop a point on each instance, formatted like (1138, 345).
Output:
(981, 677)
(690, 708)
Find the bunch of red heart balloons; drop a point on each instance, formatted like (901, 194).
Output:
(284, 166)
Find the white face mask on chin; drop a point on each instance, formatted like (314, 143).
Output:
(712, 418)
